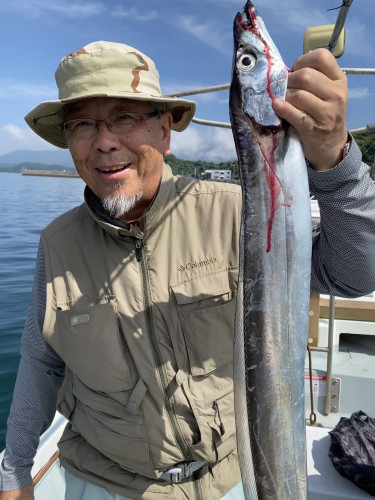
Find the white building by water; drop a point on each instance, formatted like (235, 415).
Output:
(219, 174)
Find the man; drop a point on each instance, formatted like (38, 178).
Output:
(131, 318)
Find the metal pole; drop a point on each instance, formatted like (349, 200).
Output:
(330, 354)
(339, 24)
(359, 71)
(369, 129)
(211, 123)
(203, 90)
(226, 86)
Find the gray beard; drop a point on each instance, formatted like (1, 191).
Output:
(119, 204)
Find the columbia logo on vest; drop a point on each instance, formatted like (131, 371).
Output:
(193, 265)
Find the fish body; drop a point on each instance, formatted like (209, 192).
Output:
(274, 279)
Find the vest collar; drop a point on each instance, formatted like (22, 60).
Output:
(120, 229)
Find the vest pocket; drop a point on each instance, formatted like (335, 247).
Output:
(90, 344)
(223, 426)
(209, 337)
(206, 311)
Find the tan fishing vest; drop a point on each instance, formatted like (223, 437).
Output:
(144, 323)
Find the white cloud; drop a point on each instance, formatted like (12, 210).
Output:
(73, 10)
(13, 89)
(301, 19)
(359, 93)
(12, 131)
(358, 40)
(208, 33)
(37, 8)
(134, 13)
(204, 143)
(13, 138)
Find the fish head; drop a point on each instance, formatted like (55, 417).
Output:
(259, 72)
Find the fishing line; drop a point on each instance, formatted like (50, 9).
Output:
(336, 8)
(345, 3)
(312, 413)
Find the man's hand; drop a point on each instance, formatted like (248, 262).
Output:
(315, 105)
(21, 494)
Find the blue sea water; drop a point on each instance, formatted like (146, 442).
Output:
(27, 205)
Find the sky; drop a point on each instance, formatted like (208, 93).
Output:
(191, 43)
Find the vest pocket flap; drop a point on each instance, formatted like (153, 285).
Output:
(107, 407)
(90, 343)
(202, 287)
(136, 397)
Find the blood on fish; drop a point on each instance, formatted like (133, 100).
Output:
(273, 182)
(269, 64)
(274, 186)
(269, 163)
(267, 50)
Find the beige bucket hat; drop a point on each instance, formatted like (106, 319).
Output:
(104, 69)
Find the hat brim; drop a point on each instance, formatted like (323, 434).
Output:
(46, 118)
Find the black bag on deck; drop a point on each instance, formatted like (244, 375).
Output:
(352, 450)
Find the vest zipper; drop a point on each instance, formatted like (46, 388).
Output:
(138, 250)
(167, 396)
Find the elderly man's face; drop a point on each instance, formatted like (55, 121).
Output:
(121, 168)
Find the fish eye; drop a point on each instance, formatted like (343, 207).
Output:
(246, 62)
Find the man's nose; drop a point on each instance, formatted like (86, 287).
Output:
(105, 139)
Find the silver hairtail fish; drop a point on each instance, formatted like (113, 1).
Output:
(274, 283)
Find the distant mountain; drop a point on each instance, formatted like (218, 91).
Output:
(47, 157)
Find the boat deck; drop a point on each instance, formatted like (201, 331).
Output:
(324, 482)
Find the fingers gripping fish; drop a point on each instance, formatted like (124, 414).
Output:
(274, 283)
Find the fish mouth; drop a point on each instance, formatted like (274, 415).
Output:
(247, 20)
(249, 5)
(250, 12)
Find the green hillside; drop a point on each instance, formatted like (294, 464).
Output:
(366, 144)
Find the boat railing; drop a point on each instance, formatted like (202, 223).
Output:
(328, 405)
(369, 129)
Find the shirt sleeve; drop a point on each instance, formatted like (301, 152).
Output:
(39, 378)
(344, 243)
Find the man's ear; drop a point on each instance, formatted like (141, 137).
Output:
(166, 127)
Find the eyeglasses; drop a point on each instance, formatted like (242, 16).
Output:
(120, 123)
